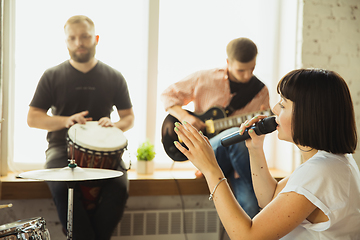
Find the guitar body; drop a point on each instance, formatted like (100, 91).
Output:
(213, 113)
(169, 136)
(215, 120)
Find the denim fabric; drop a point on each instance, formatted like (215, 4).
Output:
(99, 223)
(236, 158)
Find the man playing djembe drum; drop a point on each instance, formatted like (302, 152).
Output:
(79, 90)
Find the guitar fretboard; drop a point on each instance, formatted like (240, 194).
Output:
(236, 121)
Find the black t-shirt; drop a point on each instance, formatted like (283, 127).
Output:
(244, 93)
(68, 91)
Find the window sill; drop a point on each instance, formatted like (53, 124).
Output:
(161, 182)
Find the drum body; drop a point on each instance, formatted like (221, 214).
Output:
(28, 229)
(93, 146)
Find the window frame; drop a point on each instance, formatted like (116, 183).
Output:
(8, 71)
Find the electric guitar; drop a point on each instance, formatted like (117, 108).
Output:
(215, 120)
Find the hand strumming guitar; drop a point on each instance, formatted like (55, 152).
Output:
(183, 115)
(194, 121)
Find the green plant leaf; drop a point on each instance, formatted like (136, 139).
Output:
(146, 151)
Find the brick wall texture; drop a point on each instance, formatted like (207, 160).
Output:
(331, 40)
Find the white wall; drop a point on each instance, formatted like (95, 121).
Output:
(331, 40)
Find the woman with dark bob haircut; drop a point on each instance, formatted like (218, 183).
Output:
(321, 198)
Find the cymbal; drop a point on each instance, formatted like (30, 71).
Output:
(68, 174)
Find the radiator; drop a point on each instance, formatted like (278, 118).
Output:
(197, 224)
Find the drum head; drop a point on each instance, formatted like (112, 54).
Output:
(92, 136)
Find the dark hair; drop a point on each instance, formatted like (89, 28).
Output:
(323, 113)
(241, 49)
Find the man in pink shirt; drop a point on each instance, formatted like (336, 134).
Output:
(235, 89)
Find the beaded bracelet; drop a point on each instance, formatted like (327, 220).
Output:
(212, 194)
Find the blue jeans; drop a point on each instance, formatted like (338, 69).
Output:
(236, 158)
(100, 222)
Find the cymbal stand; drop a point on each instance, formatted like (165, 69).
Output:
(72, 165)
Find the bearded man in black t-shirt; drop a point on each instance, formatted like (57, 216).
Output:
(79, 90)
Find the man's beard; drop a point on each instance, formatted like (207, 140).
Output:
(83, 57)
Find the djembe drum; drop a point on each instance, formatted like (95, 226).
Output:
(93, 146)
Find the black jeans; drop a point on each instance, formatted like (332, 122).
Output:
(100, 223)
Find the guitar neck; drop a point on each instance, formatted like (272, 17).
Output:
(237, 120)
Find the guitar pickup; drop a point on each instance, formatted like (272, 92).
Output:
(210, 128)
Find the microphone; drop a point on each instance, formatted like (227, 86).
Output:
(264, 126)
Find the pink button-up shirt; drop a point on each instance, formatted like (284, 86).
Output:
(209, 88)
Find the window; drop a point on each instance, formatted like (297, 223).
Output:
(192, 35)
(195, 38)
(40, 44)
